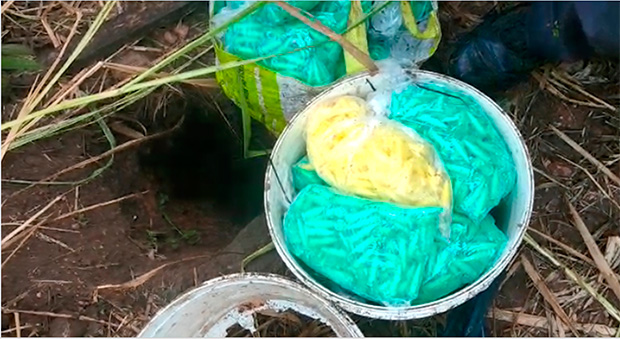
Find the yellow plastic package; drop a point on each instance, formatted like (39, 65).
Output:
(370, 156)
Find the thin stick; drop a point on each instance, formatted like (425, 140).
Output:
(565, 247)
(146, 276)
(58, 229)
(563, 77)
(595, 252)
(547, 294)
(362, 57)
(542, 322)
(26, 237)
(18, 325)
(51, 240)
(108, 153)
(50, 31)
(95, 206)
(261, 251)
(551, 84)
(208, 82)
(58, 315)
(6, 240)
(609, 307)
(76, 82)
(11, 330)
(549, 177)
(585, 154)
(6, 5)
(613, 201)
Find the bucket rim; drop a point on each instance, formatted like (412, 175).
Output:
(445, 303)
(250, 278)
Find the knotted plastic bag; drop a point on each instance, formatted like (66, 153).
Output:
(376, 250)
(473, 152)
(360, 153)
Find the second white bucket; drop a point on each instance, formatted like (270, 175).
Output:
(513, 213)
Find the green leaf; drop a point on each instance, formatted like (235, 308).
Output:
(15, 50)
(19, 63)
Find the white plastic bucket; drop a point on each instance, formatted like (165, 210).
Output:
(513, 212)
(210, 309)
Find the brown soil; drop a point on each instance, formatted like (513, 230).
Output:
(59, 268)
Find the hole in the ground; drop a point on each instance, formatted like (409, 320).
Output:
(203, 160)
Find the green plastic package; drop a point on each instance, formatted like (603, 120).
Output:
(384, 253)
(374, 249)
(471, 251)
(473, 152)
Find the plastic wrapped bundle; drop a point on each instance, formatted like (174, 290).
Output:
(268, 31)
(370, 156)
(473, 152)
(471, 251)
(376, 250)
(384, 253)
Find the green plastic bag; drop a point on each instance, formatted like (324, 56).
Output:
(374, 249)
(273, 90)
(471, 251)
(473, 152)
(384, 253)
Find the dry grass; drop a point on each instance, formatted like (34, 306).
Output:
(570, 241)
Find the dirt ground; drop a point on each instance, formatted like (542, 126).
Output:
(185, 196)
(174, 214)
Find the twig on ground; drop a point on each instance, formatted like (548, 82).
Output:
(132, 70)
(542, 323)
(540, 285)
(605, 193)
(18, 324)
(25, 238)
(51, 240)
(99, 205)
(58, 315)
(585, 154)
(117, 149)
(569, 81)
(11, 330)
(146, 276)
(541, 172)
(6, 241)
(565, 247)
(6, 5)
(595, 252)
(579, 280)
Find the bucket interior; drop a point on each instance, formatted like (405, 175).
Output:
(209, 310)
(512, 214)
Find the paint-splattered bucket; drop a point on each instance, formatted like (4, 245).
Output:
(210, 309)
(513, 213)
